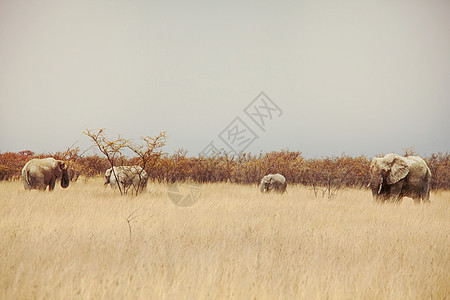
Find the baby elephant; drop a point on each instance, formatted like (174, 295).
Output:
(273, 182)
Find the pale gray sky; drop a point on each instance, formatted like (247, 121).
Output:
(355, 77)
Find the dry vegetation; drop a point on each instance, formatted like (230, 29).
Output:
(233, 243)
(331, 173)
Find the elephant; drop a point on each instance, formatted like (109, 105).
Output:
(128, 176)
(393, 177)
(40, 173)
(273, 182)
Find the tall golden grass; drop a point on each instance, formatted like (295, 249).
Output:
(233, 243)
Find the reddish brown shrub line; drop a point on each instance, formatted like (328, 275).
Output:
(245, 168)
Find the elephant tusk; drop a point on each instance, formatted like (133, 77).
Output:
(379, 189)
(368, 185)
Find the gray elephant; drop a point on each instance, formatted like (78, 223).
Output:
(40, 173)
(273, 182)
(127, 176)
(393, 177)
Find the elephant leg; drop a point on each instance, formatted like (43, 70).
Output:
(51, 184)
(395, 192)
(39, 184)
(398, 199)
(417, 200)
(124, 186)
(378, 199)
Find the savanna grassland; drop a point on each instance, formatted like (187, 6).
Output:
(233, 243)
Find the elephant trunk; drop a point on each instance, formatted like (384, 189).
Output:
(262, 187)
(65, 179)
(376, 183)
(265, 187)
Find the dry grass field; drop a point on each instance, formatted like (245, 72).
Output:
(233, 243)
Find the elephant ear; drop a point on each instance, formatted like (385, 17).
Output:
(399, 170)
(372, 164)
(56, 168)
(60, 168)
(62, 165)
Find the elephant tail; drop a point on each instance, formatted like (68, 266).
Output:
(26, 179)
